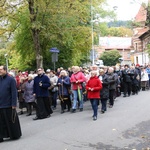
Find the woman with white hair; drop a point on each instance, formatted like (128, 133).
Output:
(28, 94)
(93, 88)
(63, 90)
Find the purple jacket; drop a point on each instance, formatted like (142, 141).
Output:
(28, 92)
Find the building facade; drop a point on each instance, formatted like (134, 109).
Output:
(141, 38)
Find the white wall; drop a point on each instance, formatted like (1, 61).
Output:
(142, 59)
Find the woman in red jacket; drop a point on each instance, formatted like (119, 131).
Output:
(93, 88)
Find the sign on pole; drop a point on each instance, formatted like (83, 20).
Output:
(54, 50)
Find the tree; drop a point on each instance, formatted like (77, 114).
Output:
(39, 25)
(110, 58)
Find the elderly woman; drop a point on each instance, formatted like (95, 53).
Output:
(144, 78)
(112, 78)
(63, 90)
(93, 88)
(54, 88)
(77, 79)
(28, 94)
(104, 93)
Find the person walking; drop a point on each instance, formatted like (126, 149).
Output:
(54, 88)
(127, 82)
(77, 79)
(144, 79)
(63, 90)
(112, 79)
(28, 95)
(9, 121)
(93, 88)
(40, 90)
(104, 93)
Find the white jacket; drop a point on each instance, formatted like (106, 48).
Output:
(144, 76)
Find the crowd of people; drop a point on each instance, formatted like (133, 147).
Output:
(40, 90)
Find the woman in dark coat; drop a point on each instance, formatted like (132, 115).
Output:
(93, 88)
(104, 93)
(112, 78)
(63, 90)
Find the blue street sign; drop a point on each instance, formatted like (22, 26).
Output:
(54, 50)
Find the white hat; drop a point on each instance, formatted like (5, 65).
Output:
(48, 70)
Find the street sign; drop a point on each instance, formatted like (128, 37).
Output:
(54, 57)
(54, 50)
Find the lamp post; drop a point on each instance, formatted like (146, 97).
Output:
(96, 20)
(92, 33)
(6, 57)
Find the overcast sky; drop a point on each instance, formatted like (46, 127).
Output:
(126, 9)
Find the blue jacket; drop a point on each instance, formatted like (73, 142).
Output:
(64, 85)
(41, 91)
(148, 71)
(8, 92)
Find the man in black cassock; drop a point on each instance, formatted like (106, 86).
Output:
(9, 121)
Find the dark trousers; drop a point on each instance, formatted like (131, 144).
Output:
(104, 104)
(94, 103)
(111, 97)
(127, 88)
(30, 107)
(135, 88)
(54, 98)
(43, 107)
(65, 101)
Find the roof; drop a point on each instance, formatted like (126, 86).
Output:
(115, 42)
(141, 15)
(140, 31)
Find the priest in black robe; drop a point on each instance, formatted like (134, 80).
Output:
(9, 121)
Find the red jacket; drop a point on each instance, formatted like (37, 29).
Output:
(95, 84)
(79, 76)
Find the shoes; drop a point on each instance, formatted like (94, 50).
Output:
(20, 113)
(124, 96)
(1, 140)
(94, 118)
(28, 114)
(54, 108)
(48, 116)
(102, 112)
(36, 118)
(110, 106)
(81, 109)
(73, 110)
(14, 138)
(62, 111)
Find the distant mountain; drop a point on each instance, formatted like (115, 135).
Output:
(120, 23)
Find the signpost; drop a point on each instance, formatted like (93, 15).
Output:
(54, 52)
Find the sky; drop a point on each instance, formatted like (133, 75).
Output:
(126, 9)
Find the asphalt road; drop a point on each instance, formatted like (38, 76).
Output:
(126, 126)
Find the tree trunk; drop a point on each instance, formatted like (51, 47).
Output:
(35, 33)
